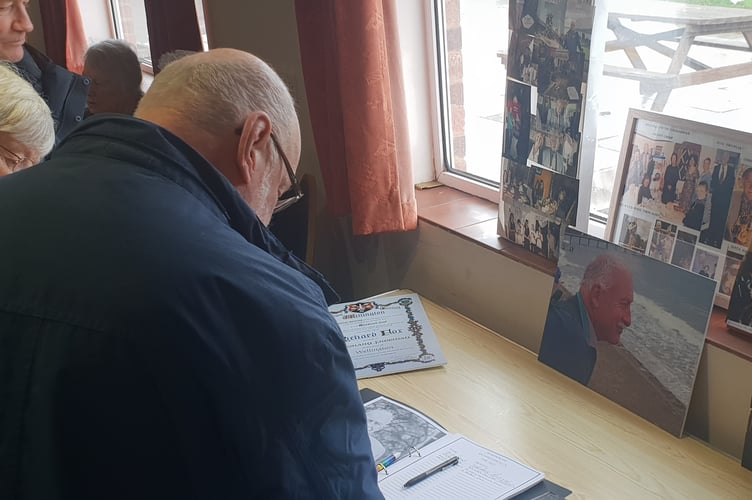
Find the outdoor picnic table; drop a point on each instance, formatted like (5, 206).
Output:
(651, 24)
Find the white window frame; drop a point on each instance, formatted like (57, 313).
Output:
(434, 29)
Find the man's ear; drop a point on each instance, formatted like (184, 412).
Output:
(253, 136)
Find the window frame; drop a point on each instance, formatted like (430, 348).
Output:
(439, 96)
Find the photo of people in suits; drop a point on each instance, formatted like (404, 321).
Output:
(722, 185)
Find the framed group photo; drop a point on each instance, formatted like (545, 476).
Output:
(683, 195)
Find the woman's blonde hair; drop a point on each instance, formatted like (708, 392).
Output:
(23, 113)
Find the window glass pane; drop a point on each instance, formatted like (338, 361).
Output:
(129, 17)
(130, 25)
(97, 20)
(718, 53)
(715, 81)
(202, 23)
(475, 47)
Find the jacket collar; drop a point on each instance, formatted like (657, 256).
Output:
(152, 147)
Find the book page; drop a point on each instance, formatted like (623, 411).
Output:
(480, 474)
(398, 431)
(388, 335)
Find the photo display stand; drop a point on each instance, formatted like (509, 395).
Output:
(545, 95)
(683, 195)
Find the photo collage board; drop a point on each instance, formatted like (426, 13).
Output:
(684, 196)
(547, 69)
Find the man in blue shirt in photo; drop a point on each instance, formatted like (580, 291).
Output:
(599, 311)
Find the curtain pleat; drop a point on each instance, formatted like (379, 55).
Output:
(353, 79)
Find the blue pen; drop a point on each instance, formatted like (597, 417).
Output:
(387, 462)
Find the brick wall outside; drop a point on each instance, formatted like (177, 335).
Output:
(456, 88)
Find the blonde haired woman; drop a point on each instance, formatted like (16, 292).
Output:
(27, 132)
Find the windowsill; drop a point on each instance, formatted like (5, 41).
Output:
(476, 220)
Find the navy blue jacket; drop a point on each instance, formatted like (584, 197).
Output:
(153, 343)
(565, 345)
(65, 92)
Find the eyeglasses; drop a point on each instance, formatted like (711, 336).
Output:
(295, 193)
(14, 160)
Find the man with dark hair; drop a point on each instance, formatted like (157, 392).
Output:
(721, 187)
(598, 312)
(65, 92)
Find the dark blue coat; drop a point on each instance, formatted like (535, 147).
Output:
(565, 346)
(151, 343)
(64, 91)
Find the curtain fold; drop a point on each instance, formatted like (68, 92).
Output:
(353, 79)
(172, 25)
(75, 38)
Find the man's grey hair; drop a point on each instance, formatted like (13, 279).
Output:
(217, 95)
(24, 115)
(601, 271)
(117, 59)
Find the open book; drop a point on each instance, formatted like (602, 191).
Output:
(479, 473)
(406, 443)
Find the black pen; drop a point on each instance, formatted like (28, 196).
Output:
(430, 472)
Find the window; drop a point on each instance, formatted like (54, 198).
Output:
(712, 84)
(472, 39)
(718, 59)
(129, 18)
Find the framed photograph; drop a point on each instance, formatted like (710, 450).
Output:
(629, 327)
(691, 184)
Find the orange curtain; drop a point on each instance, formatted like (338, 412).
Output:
(353, 79)
(75, 37)
(65, 43)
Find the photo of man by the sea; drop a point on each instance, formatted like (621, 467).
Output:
(650, 366)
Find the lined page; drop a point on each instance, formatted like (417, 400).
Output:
(480, 474)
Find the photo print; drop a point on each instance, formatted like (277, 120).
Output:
(648, 324)
(684, 249)
(731, 263)
(634, 233)
(395, 429)
(706, 263)
(517, 121)
(739, 228)
(527, 56)
(662, 240)
(740, 300)
(549, 49)
(694, 176)
(525, 226)
(552, 194)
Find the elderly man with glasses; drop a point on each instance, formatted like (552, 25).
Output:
(157, 340)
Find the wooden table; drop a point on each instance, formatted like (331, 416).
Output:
(688, 26)
(499, 395)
